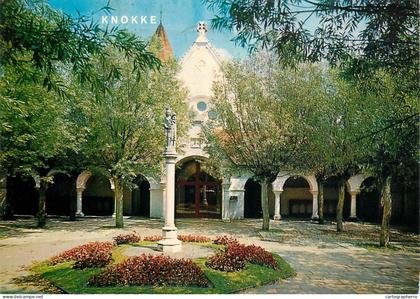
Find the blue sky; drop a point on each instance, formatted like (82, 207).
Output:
(179, 17)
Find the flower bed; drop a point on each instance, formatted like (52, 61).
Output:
(154, 238)
(91, 255)
(128, 238)
(183, 238)
(151, 270)
(234, 256)
(196, 239)
(224, 240)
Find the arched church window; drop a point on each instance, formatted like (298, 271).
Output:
(201, 106)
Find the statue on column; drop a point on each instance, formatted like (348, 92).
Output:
(170, 130)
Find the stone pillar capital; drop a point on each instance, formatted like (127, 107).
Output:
(277, 192)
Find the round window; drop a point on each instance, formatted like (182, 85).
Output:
(212, 115)
(201, 106)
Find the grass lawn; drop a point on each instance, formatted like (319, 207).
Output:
(74, 281)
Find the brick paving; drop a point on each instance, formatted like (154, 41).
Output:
(325, 262)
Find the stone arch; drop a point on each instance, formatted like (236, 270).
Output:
(297, 196)
(252, 199)
(354, 183)
(197, 192)
(368, 201)
(98, 195)
(84, 177)
(140, 197)
(59, 195)
(278, 184)
(22, 191)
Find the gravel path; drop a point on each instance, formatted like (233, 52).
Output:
(325, 262)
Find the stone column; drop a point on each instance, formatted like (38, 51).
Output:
(79, 211)
(353, 215)
(163, 200)
(277, 195)
(314, 205)
(240, 204)
(170, 242)
(225, 199)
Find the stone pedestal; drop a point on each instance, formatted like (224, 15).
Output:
(170, 242)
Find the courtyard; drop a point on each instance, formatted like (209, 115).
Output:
(324, 261)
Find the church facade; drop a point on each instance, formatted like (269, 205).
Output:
(198, 193)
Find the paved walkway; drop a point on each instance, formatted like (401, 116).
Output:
(325, 262)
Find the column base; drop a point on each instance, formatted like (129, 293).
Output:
(315, 218)
(169, 246)
(79, 214)
(353, 219)
(277, 217)
(170, 242)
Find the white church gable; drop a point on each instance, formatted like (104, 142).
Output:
(200, 67)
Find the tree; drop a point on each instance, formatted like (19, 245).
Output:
(126, 122)
(252, 132)
(369, 33)
(52, 40)
(393, 150)
(35, 136)
(332, 121)
(311, 85)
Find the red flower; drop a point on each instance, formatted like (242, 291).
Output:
(91, 255)
(128, 238)
(234, 256)
(151, 270)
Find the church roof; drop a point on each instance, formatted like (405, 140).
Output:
(166, 51)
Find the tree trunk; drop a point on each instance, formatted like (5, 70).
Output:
(6, 212)
(341, 197)
(320, 201)
(119, 221)
(42, 214)
(386, 203)
(264, 205)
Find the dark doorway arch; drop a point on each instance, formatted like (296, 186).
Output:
(197, 194)
(140, 198)
(252, 199)
(368, 203)
(98, 198)
(59, 195)
(23, 194)
(297, 198)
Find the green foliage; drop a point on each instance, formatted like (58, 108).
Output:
(35, 134)
(367, 33)
(50, 40)
(125, 135)
(390, 123)
(252, 132)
